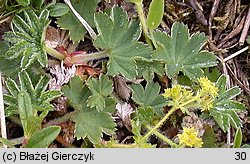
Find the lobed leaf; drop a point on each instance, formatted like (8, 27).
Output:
(149, 97)
(86, 9)
(40, 99)
(27, 38)
(119, 37)
(224, 110)
(100, 89)
(147, 68)
(91, 123)
(181, 52)
(88, 122)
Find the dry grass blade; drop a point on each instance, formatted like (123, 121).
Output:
(211, 17)
(2, 115)
(83, 22)
(245, 28)
(235, 54)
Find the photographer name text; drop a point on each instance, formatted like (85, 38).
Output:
(47, 156)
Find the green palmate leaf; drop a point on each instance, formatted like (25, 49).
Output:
(100, 89)
(119, 37)
(181, 52)
(147, 68)
(145, 115)
(155, 14)
(40, 98)
(149, 97)
(44, 137)
(224, 110)
(86, 9)
(58, 9)
(91, 123)
(238, 138)
(88, 122)
(27, 38)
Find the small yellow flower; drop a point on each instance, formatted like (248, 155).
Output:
(173, 93)
(206, 103)
(178, 93)
(207, 87)
(189, 138)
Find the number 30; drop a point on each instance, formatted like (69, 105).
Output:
(240, 156)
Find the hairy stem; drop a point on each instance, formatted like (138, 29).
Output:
(159, 124)
(82, 58)
(162, 137)
(139, 8)
(59, 120)
(54, 53)
(117, 145)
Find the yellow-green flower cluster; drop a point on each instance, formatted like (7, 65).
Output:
(207, 87)
(189, 138)
(177, 95)
(207, 93)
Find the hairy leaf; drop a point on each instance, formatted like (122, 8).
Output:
(147, 68)
(224, 110)
(7, 67)
(86, 9)
(58, 9)
(27, 38)
(100, 89)
(23, 2)
(238, 138)
(181, 52)
(118, 36)
(145, 115)
(88, 122)
(149, 97)
(44, 137)
(40, 98)
(31, 122)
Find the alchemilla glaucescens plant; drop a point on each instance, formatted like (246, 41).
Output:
(121, 77)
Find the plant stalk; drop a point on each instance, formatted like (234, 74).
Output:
(159, 124)
(162, 137)
(54, 53)
(59, 120)
(79, 59)
(139, 8)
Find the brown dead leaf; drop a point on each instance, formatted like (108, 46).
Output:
(121, 88)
